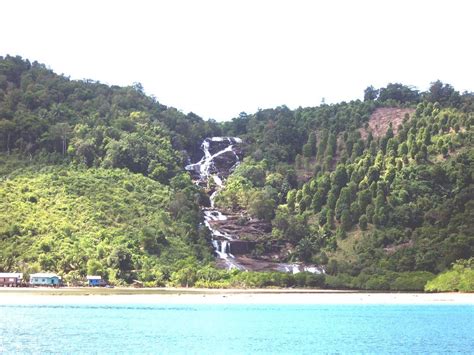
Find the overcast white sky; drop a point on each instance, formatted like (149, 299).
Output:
(218, 58)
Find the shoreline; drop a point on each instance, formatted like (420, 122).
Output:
(168, 296)
(164, 290)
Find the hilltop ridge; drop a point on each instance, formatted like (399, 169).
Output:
(377, 192)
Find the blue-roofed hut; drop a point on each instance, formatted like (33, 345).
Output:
(94, 280)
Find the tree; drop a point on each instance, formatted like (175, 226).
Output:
(330, 219)
(305, 249)
(305, 203)
(94, 267)
(318, 200)
(443, 93)
(309, 149)
(345, 220)
(364, 197)
(370, 211)
(153, 240)
(355, 210)
(331, 146)
(299, 161)
(184, 277)
(363, 222)
(399, 92)
(340, 177)
(121, 260)
(392, 146)
(343, 202)
(427, 137)
(358, 149)
(370, 93)
(291, 199)
(6, 130)
(331, 201)
(414, 149)
(261, 206)
(323, 216)
(322, 144)
(307, 152)
(62, 132)
(403, 149)
(252, 171)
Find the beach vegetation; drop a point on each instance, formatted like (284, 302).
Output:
(459, 278)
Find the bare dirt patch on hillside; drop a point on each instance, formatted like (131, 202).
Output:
(380, 120)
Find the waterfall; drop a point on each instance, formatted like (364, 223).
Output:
(296, 268)
(220, 158)
(207, 168)
(224, 247)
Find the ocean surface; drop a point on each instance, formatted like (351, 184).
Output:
(236, 329)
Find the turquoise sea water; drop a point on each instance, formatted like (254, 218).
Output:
(236, 329)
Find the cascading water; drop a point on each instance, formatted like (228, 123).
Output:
(223, 150)
(221, 157)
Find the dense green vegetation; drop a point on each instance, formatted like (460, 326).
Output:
(459, 278)
(66, 206)
(113, 223)
(92, 181)
(51, 117)
(382, 210)
(210, 277)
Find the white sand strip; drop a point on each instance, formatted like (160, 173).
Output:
(228, 297)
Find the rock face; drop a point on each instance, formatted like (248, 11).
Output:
(221, 157)
(234, 234)
(245, 235)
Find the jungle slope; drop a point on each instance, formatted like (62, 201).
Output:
(113, 223)
(381, 210)
(92, 181)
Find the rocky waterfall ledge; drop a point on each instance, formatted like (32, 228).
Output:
(221, 155)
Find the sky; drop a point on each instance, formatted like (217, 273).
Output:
(219, 58)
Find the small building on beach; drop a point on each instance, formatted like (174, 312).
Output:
(45, 279)
(93, 280)
(11, 279)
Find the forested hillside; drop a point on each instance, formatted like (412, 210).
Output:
(55, 119)
(379, 192)
(92, 179)
(112, 223)
(344, 187)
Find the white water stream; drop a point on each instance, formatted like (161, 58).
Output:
(206, 169)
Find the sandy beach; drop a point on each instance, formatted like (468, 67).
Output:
(204, 296)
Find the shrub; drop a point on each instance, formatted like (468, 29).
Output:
(460, 278)
(411, 281)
